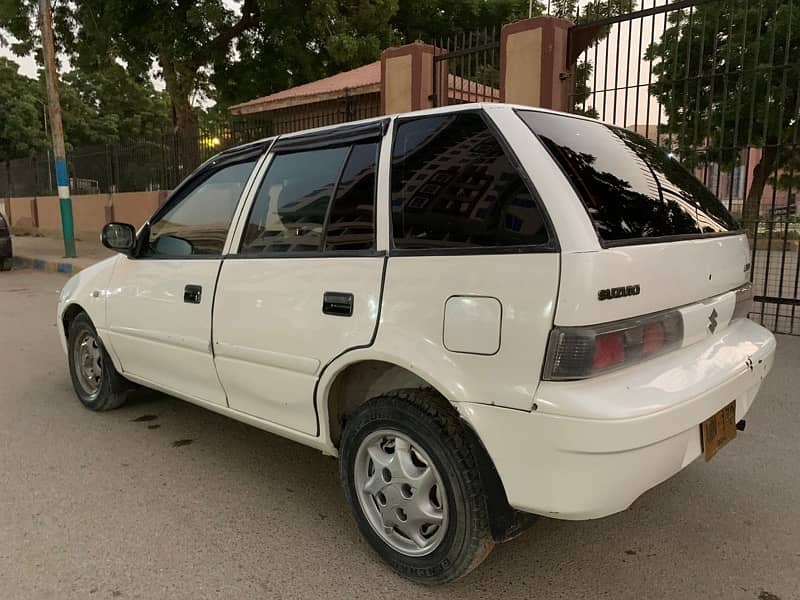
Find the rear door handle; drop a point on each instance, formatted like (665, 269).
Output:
(192, 294)
(339, 304)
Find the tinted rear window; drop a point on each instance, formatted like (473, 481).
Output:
(631, 188)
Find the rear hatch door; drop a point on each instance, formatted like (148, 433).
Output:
(665, 240)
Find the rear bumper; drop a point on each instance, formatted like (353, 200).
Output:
(579, 467)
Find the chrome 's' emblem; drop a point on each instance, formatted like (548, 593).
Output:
(712, 320)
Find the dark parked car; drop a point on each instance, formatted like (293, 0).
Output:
(5, 245)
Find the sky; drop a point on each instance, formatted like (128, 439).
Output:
(27, 63)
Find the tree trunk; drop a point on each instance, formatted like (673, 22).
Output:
(184, 119)
(764, 168)
(187, 136)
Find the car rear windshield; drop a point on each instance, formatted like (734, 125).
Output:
(631, 188)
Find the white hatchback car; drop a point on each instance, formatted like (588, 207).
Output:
(485, 311)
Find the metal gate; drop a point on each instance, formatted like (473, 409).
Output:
(717, 82)
(466, 68)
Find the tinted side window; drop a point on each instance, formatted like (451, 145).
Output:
(630, 187)
(351, 225)
(288, 214)
(454, 187)
(198, 223)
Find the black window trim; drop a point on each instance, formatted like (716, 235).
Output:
(343, 135)
(354, 134)
(552, 245)
(640, 241)
(253, 151)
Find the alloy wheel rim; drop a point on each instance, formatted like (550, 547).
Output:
(88, 360)
(401, 492)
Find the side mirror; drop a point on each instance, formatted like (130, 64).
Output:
(119, 237)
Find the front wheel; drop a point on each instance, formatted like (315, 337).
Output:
(97, 383)
(411, 476)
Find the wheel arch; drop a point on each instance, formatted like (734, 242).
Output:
(69, 314)
(358, 381)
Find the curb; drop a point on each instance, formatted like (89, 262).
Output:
(49, 266)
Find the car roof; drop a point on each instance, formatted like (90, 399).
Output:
(267, 141)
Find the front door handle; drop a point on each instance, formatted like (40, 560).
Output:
(192, 294)
(339, 304)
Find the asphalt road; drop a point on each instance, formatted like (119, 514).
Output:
(161, 499)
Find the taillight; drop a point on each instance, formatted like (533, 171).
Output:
(653, 338)
(580, 352)
(609, 350)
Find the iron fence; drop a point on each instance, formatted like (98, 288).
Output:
(131, 166)
(160, 163)
(717, 83)
(344, 109)
(466, 68)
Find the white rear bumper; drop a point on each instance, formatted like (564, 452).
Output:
(581, 466)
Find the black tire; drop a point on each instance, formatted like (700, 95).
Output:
(112, 388)
(6, 264)
(426, 418)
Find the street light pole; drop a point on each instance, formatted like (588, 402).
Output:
(54, 106)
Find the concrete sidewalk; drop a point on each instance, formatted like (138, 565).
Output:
(47, 254)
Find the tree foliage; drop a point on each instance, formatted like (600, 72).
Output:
(230, 52)
(432, 20)
(21, 121)
(300, 41)
(97, 108)
(728, 79)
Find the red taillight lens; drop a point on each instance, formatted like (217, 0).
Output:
(609, 350)
(579, 352)
(652, 338)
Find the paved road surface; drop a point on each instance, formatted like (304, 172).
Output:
(111, 506)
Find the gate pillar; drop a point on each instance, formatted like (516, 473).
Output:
(407, 78)
(533, 63)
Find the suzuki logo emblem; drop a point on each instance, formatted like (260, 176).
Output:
(712, 320)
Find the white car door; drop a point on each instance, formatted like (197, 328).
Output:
(303, 283)
(159, 304)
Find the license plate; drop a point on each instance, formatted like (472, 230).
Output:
(718, 430)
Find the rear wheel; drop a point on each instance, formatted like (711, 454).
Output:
(97, 383)
(411, 476)
(6, 264)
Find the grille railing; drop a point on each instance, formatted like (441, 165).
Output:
(717, 83)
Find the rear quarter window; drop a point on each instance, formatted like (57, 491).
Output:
(454, 188)
(632, 189)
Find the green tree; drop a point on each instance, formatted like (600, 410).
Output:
(21, 117)
(300, 41)
(433, 20)
(728, 80)
(208, 48)
(123, 106)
